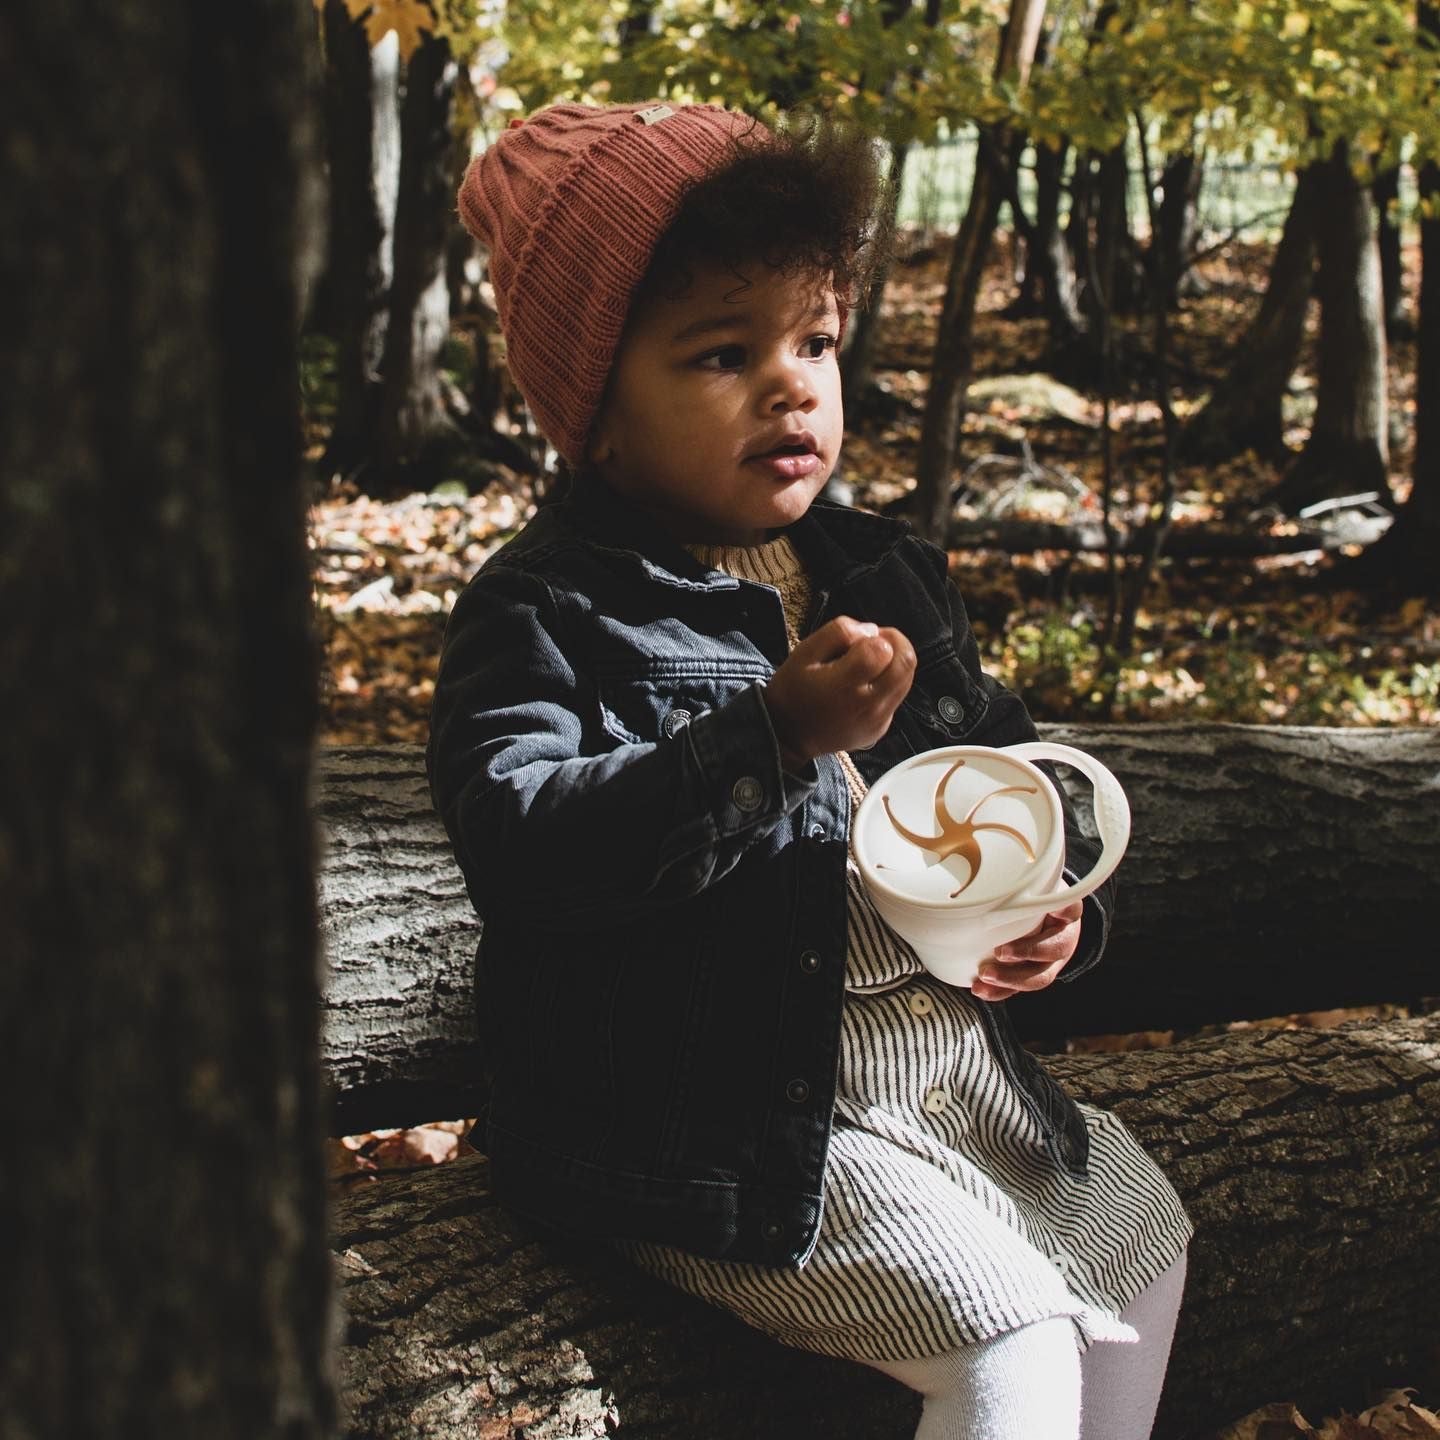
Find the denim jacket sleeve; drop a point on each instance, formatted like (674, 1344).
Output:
(546, 813)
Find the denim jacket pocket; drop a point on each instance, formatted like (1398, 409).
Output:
(645, 711)
(944, 704)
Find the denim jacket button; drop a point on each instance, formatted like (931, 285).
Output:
(950, 709)
(809, 961)
(675, 722)
(797, 1092)
(747, 793)
(772, 1230)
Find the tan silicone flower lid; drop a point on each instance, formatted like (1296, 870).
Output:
(965, 829)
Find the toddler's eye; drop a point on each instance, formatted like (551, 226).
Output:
(727, 357)
(816, 346)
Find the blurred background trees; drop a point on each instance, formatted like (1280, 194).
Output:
(1095, 138)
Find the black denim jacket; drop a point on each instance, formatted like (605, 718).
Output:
(662, 968)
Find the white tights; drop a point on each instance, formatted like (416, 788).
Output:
(1033, 1383)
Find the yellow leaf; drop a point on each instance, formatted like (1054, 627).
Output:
(407, 18)
(1296, 24)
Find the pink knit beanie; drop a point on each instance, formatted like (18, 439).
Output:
(571, 204)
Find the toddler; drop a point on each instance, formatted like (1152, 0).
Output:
(657, 709)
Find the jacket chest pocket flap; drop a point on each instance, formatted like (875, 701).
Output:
(642, 711)
(944, 703)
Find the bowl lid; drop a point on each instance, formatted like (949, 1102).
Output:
(960, 826)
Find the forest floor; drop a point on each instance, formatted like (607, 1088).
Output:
(1277, 639)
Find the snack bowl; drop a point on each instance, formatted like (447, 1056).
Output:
(962, 849)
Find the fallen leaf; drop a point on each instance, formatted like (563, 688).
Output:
(423, 1146)
(1280, 1421)
(1396, 1417)
(343, 1159)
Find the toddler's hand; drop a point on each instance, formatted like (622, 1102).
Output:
(1033, 961)
(838, 689)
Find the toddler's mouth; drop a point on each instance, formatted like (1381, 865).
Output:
(795, 458)
(799, 443)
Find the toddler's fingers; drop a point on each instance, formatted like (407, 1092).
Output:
(836, 638)
(896, 679)
(865, 661)
(1000, 981)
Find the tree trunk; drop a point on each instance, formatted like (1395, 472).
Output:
(412, 423)
(1385, 192)
(954, 346)
(1178, 221)
(1245, 410)
(1200, 541)
(1049, 285)
(1306, 1160)
(1116, 253)
(166, 1271)
(362, 158)
(1338, 855)
(1348, 448)
(859, 362)
(1403, 561)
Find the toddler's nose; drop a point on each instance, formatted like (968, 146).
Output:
(793, 389)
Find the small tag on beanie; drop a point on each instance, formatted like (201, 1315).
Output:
(653, 114)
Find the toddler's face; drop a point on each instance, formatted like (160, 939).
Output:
(723, 416)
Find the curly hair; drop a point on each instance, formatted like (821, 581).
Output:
(808, 198)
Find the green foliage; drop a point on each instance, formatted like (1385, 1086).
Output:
(1300, 73)
(1297, 74)
(1055, 662)
(880, 65)
(318, 392)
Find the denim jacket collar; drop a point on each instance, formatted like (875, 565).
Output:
(835, 542)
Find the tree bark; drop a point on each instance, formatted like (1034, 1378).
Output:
(1385, 192)
(954, 346)
(859, 359)
(400, 936)
(412, 422)
(1262, 862)
(1245, 410)
(1116, 253)
(1048, 286)
(1404, 560)
(359, 141)
(1306, 1159)
(1179, 220)
(166, 1272)
(1349, 445)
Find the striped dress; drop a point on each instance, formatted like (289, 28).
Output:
(945, 1220)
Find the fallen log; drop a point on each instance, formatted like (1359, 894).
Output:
(1182, 542)
(1270, 870)
(1309, 1160)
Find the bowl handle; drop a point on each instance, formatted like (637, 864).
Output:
(1112, 817)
